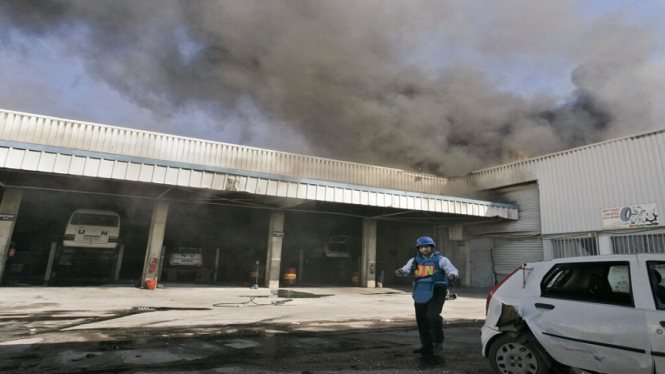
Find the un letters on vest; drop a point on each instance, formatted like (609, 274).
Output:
(424, 271)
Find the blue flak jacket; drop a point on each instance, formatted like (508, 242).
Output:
(426, 276)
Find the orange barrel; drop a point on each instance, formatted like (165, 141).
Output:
(289, 276)
(257, 276)
(150, 284)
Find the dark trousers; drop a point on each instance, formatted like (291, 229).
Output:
(428, 317)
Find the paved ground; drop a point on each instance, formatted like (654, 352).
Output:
(178, 329)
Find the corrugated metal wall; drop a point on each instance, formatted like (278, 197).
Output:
(21, 127)
(577, 184)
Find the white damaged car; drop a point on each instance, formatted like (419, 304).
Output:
(600, 314)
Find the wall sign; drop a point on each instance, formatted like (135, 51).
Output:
(6, 217)
(630, 216)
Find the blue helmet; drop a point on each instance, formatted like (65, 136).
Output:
(425, 240)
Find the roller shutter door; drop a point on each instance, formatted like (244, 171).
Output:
(507, 255)
(517, 242)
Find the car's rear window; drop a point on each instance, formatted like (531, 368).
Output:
(94, 219)
(600, 282)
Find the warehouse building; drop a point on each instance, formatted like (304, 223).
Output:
(599, 199)
(248, 215)
(256, 216)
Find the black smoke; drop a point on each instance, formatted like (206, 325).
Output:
(341, 74)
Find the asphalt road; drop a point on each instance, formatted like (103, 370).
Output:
(214, 330)
(251, 349)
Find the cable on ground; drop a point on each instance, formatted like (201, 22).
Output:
(250, 303)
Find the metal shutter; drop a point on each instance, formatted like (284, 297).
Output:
(514, 242)
(520, 241)
(507, 255)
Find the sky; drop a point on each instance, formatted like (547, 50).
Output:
(440, 87)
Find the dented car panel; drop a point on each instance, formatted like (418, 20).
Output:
(593, 337)
(592, 313)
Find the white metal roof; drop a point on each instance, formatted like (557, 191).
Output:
(51, 145)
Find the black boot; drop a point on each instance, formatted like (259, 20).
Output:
(438, 347)
(425, 350)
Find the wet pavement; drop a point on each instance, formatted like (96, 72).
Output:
(178, 329)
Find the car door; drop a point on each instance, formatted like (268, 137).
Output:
(655, 307)
(585, 317)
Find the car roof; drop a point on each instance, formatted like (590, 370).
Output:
(608, 258)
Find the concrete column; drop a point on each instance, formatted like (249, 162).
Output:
(153, 253)
(274, 256)
(368, 257)
(605, 245)
(441, 235)
(49, 263)
(11, 202)
(118, 262)
(548, 253)
(458, 252)
(463, 264)
(214, 277)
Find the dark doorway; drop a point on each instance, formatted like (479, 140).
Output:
(323, 249)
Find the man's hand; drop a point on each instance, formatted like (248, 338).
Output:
(401, 273)
(452, 277)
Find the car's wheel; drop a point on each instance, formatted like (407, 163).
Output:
(511, 355)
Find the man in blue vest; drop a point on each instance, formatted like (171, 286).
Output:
(431, 273)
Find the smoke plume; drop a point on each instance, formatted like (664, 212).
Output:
(417, 84)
